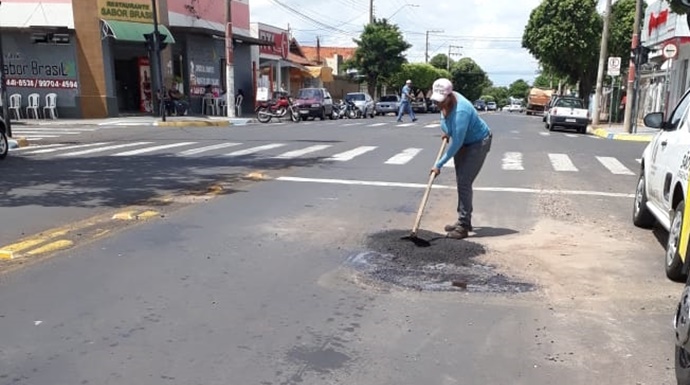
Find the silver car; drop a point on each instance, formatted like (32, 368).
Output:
(364, 102)
(388, 103)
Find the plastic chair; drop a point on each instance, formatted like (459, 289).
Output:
(16, 105)
(34, 104)
(51, 105)
(207, 102)
(238, 105)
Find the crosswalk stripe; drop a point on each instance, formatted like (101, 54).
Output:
(303, 151)
(212, 147)
(614, 165)
(514, 132)
(62, 148)
(351, 124)
(152, 149)
(377, 124)
(544, 133)
(38, 136)
(38, 132)
(512, 161)
(433, 125)
(349, 155)
(253, 150)
(572, 135)
(53, 129)
(404, 156)
(638, 160)
(106, 148)
(562, 162)
(405, 125)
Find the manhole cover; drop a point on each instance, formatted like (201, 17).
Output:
(447, 265)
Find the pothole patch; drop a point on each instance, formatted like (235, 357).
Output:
(447, 265)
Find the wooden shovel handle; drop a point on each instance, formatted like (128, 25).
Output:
(428, 189)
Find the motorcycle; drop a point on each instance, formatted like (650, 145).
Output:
(338, 110)
(278, 108)
(351, 110)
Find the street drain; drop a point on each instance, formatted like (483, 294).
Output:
(445, 266)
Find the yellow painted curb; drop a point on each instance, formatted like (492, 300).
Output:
(51, 247)
(8, 252)
(148, 214)
(125, 215)
(194, 123)
(256, 176)
(602, 133)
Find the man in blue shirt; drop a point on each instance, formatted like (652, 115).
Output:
(470, 142)
(406, 99)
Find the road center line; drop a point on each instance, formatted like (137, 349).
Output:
(353, 182)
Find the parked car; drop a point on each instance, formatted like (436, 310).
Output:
(491, 106)
(4, 145)
(431, 106)
(387, 104)
(567, 112)
(480, 105)
(419, 105)
(313, 103)
(364, 102)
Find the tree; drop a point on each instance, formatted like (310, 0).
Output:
(468, 78)
(677, 7)
(379, 51)
(422, 75)
(499, 94)
(565, 35)
(441, 61)
(621, 27)
(519, 89)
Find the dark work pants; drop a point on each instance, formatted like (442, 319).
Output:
(468, 162)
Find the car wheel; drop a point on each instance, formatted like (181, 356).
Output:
(681, 325)
(4, 145)
(642, 217)
(674, 264)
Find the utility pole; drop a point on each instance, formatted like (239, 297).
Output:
(629, 89)
(3, 90)
(450, 53)
(156, 42)
(229, 62)
(371, 11)
(602, 60)
(426, 51)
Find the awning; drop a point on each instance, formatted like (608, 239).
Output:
(249, 40)
(323, 73)
(129, 31)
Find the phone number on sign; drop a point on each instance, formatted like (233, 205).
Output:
(42, 83)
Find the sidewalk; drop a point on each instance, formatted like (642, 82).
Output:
(616, 132)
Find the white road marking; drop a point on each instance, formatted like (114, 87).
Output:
(253, 150)
(450, 163)
(638, 160)
(38, 136)
(352, 182)
(512, 161)
(562, 162)
(515, 132)
(31, 149)
(571, 135)
(405, 125)
(53, 129)
(544, 133)
(433, 125)
(49, 150)
(351, 124)
(303, 151)
(40, 132)
(614, 165)
(154, 148)
(349, 155)
(212, 147)
(106, 148)
(404, 156)
(377, 124)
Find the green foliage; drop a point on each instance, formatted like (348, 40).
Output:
(564, 35)
(379, 51)
(519, 89)
(621, 27)
(677, 7)
(468, 78)
(498, 94)
(422, 75)
(487, 98)
(441, 61)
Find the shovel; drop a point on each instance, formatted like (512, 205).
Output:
(413, 235)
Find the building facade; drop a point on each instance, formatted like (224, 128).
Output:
(92, 53)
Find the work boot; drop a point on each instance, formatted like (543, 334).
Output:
(458, 233)
(455, 226)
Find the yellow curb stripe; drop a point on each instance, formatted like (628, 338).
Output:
(148, 214)
(7, 252)
(51, 247)
(125, 215)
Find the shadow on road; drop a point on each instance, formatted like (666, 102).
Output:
(106, 181)
(483, 232)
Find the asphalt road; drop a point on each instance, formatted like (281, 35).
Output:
(289, 280)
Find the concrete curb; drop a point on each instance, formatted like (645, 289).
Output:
(603, 133)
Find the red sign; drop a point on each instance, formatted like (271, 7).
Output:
(280, 42)
(42, 83)
(658, 20)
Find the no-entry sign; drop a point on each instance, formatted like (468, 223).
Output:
(670, 51)
(614, 68)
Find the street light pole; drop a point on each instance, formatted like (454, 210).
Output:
(159, 97)
(627, 126)
(3, 89)
(229, 62)
(600, 71)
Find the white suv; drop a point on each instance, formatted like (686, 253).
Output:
(662, 186)
(4, 145)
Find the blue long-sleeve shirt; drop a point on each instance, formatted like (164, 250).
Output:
(464, 127)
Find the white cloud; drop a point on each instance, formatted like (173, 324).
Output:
(472, 24)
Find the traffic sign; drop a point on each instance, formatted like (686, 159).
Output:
(614, 68)
(670, 51)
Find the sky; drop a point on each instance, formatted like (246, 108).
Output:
(489, 31)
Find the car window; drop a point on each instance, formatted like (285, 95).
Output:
(570, 103)
(308, 93)
(392, 98)
(678, 113)
(354, 97)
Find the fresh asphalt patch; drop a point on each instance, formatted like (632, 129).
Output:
(447, 265)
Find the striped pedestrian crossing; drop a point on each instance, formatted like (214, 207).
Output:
(508, 161)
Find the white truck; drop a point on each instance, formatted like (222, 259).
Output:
(567, 112)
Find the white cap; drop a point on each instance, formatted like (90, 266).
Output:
(408, 81)
(441, 89)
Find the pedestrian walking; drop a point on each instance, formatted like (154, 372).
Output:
(405, 105)
(470, 141)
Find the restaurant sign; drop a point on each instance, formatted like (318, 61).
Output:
(280, 43)
(131, 10)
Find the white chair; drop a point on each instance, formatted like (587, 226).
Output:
(51, 105)
(206, 102)
(16, 105)
(238, 105)
(34, 101)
